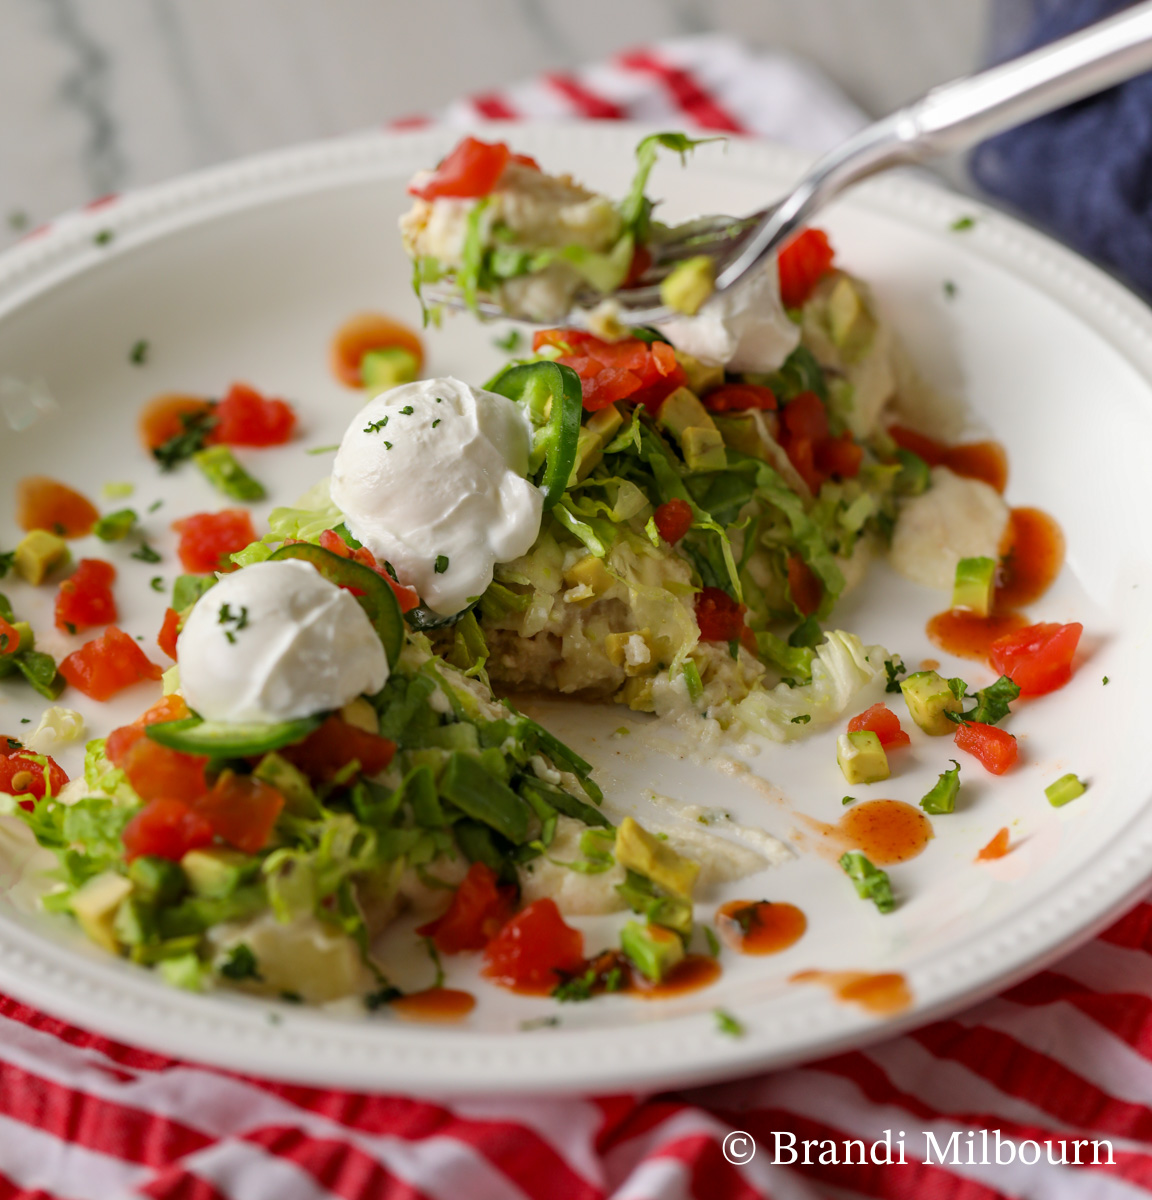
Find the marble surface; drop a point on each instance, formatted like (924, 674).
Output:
(101, 95)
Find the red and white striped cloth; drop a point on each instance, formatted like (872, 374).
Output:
(1065, 1056)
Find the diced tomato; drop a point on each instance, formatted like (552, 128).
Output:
(246, 418)
(641, 261)
(610, 372)
(993, 747)
(169, 632)
(167, 708)
(803, 262)
(805, 416)
(207, 539)
(804, 429)
(1038, 658)
(155, 771)
(804, 586)
(165, 828)
(996, 848)
(721, 619)
(839, 456)
(739, 397)
(23, 774)
(534, 949)
(366, 332)
(473, 168)
(883, 722)
(334, 745)
(241, 810)
(407, 597)
(673, 519)
(107, 665)
(9, 638)
(164, 417)
(85, 599)
(479, 910)
(43, 503)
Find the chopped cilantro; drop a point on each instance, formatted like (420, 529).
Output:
(1105, 677)
(961, 224)
(539, 1023)
(181, 446)
(578, 988)
(240, 964)
(156, 583)
(138, 355)
(154, 505)
(712, 940)
(238, 620)
(145, 554)
(802, 719)
(949, 289)
(407, 410)
(441, 564)
(992, 703)
(387, 445)
(376, 426)
(9, 557)
(727, 1024)
(848, 800)
(103, 237)
(18, 220)
(70, 627)
(436, 422)
(509, 343)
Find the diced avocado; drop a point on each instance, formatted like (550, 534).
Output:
(637, 694)
(184, 971)
(632, 651)
(291, 783)
(703, 449)
(702, 377)
(589, 572)
(361, 715)
(1064, 790)
(683, 410)
(929, 697)
(689, 284)
(37, 554)
(974, 585)
(638, 850)
(850, 324)
(170, 680)
(388, 368)
(594, 435)
(740, 431)
(215, 872)
(134, 923)
(157, 881)
(95, 905)
(605, 421)
(861, 757)
(669, 911)
(652, 949)
(941, 797)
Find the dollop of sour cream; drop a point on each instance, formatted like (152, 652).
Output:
(744, 328)
(431, 478)
(274, 642)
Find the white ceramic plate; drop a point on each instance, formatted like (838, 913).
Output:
(244, 273)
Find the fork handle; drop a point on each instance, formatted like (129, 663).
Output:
(956, 115)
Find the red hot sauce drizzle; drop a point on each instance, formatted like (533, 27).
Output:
(759, 926)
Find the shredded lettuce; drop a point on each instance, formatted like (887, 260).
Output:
(636, 208)
(842, 666)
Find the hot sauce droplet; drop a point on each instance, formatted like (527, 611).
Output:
(434, 1004)
(43, 503)
(887, 831)
(996, 848)
(369, 331)
(881, 994)
(759, 926)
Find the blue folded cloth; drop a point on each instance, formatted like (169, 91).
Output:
(1084, 172)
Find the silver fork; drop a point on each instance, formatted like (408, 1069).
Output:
(950, 118)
